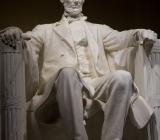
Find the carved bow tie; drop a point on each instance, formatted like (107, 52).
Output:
(72, 19)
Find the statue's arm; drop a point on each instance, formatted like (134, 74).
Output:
(34, 61)
(114, 40)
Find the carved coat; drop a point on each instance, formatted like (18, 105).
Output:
(52, 48)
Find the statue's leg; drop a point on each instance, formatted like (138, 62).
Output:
(69, 97)
(117, 95)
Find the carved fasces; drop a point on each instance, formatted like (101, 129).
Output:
(12, 91)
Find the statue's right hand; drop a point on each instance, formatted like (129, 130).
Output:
(11, 35)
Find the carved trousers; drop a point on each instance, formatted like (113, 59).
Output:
(117, 90)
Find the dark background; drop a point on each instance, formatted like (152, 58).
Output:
(119, 14)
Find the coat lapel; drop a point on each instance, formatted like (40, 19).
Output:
(62, 30)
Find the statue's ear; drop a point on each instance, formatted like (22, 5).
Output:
(62, 1)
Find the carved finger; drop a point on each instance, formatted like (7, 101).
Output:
(16, 36)
(12, 39)
(19, 37)
(8, 38)
(4, 39)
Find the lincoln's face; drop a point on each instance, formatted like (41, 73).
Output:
(73, 7)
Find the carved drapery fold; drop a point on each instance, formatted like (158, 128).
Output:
(154, 127)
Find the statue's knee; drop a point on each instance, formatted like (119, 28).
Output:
(67, 72)
(122, 78)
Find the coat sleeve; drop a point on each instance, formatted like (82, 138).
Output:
(34, 47)
(114, 40)
(36, 43)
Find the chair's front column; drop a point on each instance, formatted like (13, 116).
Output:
(12, 93)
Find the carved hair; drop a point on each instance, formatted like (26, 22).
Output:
(64, 0)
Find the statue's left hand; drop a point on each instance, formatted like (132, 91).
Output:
(149, 38)
(149, 35)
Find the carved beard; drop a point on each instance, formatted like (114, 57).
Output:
(73, 12)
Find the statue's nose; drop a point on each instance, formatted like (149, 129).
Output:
(76, 2)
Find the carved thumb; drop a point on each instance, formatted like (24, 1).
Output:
(26, 36)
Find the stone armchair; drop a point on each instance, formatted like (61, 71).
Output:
(18, 118)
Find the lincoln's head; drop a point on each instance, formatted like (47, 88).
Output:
(73, 7)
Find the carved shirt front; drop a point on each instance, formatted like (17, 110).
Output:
(81, 48)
